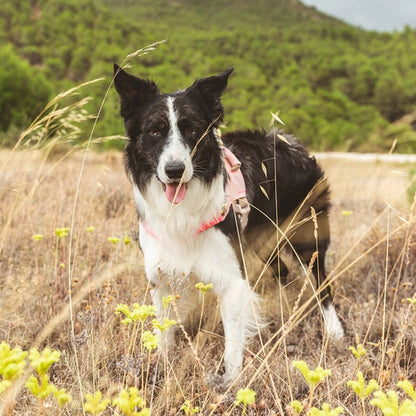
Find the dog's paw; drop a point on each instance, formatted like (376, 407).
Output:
(218, 382)
(333, 326)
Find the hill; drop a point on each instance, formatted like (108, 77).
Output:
(336, 86)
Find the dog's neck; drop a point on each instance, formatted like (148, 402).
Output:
(201, 204)
(234, 196)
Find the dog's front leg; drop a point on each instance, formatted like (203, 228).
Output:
(238, 311)
(238, 317)
(238, 304)
(158, 276)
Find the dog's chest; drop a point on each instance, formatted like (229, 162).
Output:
(209, 256)
(170, 240)
(180, 253)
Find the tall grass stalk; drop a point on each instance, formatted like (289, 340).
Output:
(136, 54)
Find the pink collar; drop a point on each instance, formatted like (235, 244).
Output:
(203, 227)
(235, 190)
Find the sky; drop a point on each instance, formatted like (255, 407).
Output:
(380, 15)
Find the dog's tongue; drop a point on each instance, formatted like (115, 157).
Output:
(174, 189)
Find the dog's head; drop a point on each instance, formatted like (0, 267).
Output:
(171, 136)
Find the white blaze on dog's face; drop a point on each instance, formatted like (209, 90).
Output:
(174, 169)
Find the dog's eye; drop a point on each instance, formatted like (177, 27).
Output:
(154, 133)
(191, 132)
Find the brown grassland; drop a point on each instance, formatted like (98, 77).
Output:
(62, 293)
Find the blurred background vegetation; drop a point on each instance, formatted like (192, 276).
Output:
(335, 86)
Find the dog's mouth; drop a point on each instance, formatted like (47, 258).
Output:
(175, 191)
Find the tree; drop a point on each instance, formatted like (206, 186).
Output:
(23, 90)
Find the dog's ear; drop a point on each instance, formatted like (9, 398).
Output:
(210, 90)
(134, 92)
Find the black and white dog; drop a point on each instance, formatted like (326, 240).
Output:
(177, 163)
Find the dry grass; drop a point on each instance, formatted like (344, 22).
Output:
(371, 263)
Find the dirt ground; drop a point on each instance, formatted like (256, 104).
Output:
(62, 292)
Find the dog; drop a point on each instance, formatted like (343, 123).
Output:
(191, 223)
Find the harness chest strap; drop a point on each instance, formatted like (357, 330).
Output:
(235, 196)
(235, 188)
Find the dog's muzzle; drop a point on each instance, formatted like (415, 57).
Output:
(175, 189)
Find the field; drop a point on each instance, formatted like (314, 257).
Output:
(61, 291)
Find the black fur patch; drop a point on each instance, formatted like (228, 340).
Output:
(265, 157)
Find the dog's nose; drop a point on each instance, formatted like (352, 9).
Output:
(174, 170)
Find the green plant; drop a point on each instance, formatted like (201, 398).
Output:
(189, 409)
(138, 313)
(312, 377)
(358, 352)
(167, 300)
(62, 232)
(137, 316)
(325, 411)
(359, 387)
(95, 404)
(39, 384)
(412, 302)
(245, 397)
(128, 400)
(362, 390)
(165, 325)
(388, 403)
(23, 89)
(150, 341)
(407, 386)
(297, 406)
(12, 365)
(203, 288)
(114, 240)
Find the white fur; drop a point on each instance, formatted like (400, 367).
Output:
(332, 324)
(170, 221)
(210, 256)
(175, 150)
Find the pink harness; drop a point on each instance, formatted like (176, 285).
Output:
(235, 195)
